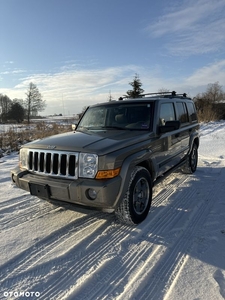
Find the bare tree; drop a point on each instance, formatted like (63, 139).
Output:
(163, 90)
(207, 102)
(214, 92)
(5, 105)
(34, 102)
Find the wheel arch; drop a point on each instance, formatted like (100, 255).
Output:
(141, 158)
(148, 164)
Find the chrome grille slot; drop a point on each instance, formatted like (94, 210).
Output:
(53, 163)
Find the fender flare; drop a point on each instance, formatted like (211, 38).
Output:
(128, 164)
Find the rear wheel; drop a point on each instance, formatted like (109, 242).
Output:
(136, 203)
(192, 161)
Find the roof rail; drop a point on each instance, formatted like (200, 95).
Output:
(157, 93)
(164, 94)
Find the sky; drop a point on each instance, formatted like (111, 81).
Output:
(78, 52)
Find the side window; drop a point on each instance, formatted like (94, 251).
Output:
(166, 113)
(191, 111)
(182, 112)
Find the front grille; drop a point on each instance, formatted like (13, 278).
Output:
(54, 163)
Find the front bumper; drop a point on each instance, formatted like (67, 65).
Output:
(73, 191)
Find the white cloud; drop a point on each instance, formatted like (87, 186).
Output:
(196, 27)
(69, 91)
(16, 71)
(208, 74)
(73, 89)
(9, 62)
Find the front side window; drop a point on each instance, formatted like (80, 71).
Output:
(167, 113)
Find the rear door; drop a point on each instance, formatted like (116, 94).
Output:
(184, 132)
(168, 143)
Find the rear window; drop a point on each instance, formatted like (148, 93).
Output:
(191, 111)
(182, 115)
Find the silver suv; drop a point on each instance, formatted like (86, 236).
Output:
(116, 154)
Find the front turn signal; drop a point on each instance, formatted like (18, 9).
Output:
(107, 174)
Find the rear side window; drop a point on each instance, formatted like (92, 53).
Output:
(182, 115)
(191, 111)
(167, 113)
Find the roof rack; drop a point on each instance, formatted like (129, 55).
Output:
(159, 93)
(164, 94)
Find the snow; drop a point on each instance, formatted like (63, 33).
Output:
(54, 252)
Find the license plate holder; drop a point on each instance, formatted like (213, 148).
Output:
(39, 190)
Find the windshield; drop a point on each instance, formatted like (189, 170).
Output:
(125, 116)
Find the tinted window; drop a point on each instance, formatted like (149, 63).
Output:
(182, 112)
(191, 111)
(166, 113)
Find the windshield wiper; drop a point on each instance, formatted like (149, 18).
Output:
(113, 127)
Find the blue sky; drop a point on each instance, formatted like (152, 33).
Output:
(77, 51)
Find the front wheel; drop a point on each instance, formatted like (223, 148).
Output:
(136, 203)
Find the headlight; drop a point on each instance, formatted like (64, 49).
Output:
(23, 158)
(88, 165)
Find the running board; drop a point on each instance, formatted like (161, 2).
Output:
(162, 177)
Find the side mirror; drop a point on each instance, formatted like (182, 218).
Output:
(74, 126)
(169, 126)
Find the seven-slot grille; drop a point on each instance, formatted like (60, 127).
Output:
(54, 163)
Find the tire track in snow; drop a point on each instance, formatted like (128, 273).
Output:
(22, 212)
(137, 262)
(177, 254)
(15, 202)
(89, 262)
(34, 212)
(30, 256)
(165, 189)
(65, 261)
(163, 275)
(96, 261)
(110, 260)
(43, 246)
(129, 262)
(111, 269)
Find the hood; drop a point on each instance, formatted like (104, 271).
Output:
(100, 142)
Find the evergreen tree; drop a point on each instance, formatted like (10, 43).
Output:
(137, 90)
(17, 112)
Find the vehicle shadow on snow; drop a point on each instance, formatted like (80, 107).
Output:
(191, 215)
(189, 209)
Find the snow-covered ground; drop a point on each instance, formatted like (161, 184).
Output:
(178, 252)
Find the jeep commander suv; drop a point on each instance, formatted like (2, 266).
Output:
(117, 152)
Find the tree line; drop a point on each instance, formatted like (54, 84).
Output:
(19, 109)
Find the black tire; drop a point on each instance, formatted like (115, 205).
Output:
(136, 203)
(192, 161)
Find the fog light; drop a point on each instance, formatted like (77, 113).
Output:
(91, 194)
